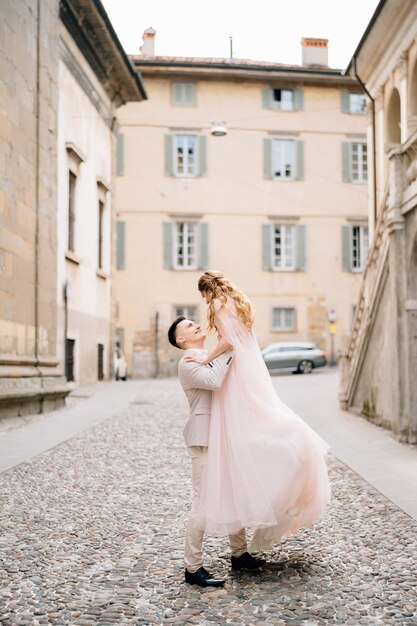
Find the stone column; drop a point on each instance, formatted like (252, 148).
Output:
(397, 288)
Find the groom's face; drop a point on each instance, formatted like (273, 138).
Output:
(189, 333)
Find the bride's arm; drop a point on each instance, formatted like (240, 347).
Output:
(222, 346)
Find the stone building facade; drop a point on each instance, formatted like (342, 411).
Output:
(380, 363)
(256, 169)
(55, 57)
(30, 374)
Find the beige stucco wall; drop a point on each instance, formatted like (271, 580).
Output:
(82, 125)
(235, 200)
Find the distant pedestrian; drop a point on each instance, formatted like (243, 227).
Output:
(120, 368)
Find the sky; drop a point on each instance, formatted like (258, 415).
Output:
(262, 30)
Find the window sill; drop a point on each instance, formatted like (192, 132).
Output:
(102, 274)
(287, 331)
(184, 269)
(71, 256)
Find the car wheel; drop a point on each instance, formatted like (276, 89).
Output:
(305, 367)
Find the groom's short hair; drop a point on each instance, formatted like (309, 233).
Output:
(172, 331)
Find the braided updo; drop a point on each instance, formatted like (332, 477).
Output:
(220, 288)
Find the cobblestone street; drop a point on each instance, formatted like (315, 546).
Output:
(92, 533)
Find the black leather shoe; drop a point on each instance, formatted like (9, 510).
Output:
(202, 578)
(247, 561)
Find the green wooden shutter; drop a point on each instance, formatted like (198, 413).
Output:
(203, 243)
(298, 99)
(267, 158)
(300, 247)
(190, 90)
(299, 160)
(169, 155)
(346, 173)
(267, 98)
(347, 248)
(267, 246)
(120, 245)
(176, 93)
(168, 239)
(202, 155)
(120, 155)
(345, 101)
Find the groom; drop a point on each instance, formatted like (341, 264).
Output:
(198, 381)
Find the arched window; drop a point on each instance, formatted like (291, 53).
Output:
(394, 118)
(413, 91)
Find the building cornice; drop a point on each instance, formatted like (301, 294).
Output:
(91, 29)
(224, 69)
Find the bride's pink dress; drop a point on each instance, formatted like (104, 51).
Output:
(266, 468)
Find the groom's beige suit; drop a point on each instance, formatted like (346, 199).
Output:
(198, 382)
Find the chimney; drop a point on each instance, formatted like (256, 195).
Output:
(147, 49)
(315, 51)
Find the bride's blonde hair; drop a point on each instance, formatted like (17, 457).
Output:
(220, 288)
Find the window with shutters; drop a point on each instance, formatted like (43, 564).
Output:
(281, 99)
(183, 94)
(283, 318)
(283, 159)
(353, 103)
(359, 162)
(190, 312)
(185, 155)
(359, 247)
(355, 247)
(185, 245)
(283, 247)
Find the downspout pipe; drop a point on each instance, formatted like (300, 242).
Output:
(362, 84)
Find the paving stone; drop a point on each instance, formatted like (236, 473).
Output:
(93, 531)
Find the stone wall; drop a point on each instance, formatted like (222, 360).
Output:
(28, 128)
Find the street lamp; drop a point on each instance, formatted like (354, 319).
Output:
(218, 129)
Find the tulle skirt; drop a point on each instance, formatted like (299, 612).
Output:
(266, 467)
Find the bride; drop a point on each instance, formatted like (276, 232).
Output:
(266, 467)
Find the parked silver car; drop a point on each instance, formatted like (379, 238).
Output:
(300, 357)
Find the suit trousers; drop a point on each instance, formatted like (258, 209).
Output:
(194, 536)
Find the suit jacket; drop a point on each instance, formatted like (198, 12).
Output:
(198, 381)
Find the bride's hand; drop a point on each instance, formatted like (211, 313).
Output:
(195, 358)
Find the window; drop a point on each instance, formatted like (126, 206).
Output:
(185, 149)
(355, 247)
(100, 361)
(283, 247)
(283, 161)
(69, 359)
(282, 99)
(185, 245)
(353, 102)
(185, 155)
(71, 210)
(100, 233)
(360, 246)
(354, 162)
(359, 162)
(183, 94)
(283, 319)
(190, 312)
